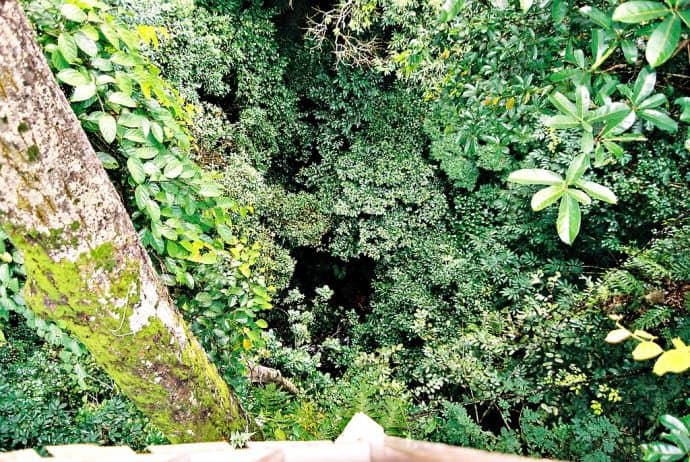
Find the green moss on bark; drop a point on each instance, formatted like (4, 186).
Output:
(94, 297)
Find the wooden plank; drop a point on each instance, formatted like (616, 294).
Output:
(90, 452)
(190, 448)
(402, 450)
(23, 455)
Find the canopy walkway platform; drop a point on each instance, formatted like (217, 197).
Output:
(363, 440)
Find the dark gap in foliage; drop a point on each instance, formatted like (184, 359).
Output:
(228, 101)
(350, 280)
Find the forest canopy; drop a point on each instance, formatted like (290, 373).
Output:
(467, 219)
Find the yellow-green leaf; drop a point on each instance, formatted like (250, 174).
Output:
(646, 350)
(617, 336)
(674, 361)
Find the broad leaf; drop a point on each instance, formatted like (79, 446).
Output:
(629, 51)
(663, 41)
(580, 196)
(569, 218)
(563, 104)
(121, 99)
(83, 92)
(617, 336)
(653, 101)
(72, 77)
(73, 13)
(545, 197)
(644, 86)
(674, 361)
(535, 176)
(659, 119)
(582, 101)
(85, 44)
(597, 191)
(108, 127)
(561, 122)
(577, 167)
(646, 350)
(639, 11)
(136, 169)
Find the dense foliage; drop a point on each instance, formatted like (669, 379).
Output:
(362, 171)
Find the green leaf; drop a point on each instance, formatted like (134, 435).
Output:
(545, 197)
(587, 143)
(173, 169)
(659, 119)
(617, 336)
(579, 196)
(663, 41)
(525, 5)
(83, 92)
(136, 169)
(563, 104)
(108, 161)
(108, 127)
(72, 12)
(67, 47)
(639, 11)
(450, 9)
(673, 423)
(653, 101)
(577, 168)
(597, 191)
(262, 324)
(646, 350)
(685, 16)
(157, 132)
(582, 101)
(597, 16)
(123, 59)
(629, 51)
(535, 176)
(561, 121)
(121, 99)
(644, 85)
(209, 190)
(72, 77)
(568, 221)
(110, 35)
(146, 152)
(85, 44)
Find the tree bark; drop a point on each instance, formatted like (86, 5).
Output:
(86, 268)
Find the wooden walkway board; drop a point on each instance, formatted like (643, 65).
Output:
(363, 440)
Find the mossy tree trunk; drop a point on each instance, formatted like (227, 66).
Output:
(86, 268)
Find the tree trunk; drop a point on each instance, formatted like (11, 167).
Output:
(86, 268)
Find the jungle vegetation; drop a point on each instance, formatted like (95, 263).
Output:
(467, 219)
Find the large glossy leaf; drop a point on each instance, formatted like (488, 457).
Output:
(646, 350)
(561, 122)
(663, 41)
(72, 77)
(577, 167)
(629, 51)
(545, 197)
(653, 101)
(659, 119)
(582, 101)
(597, 191)
(569, 218)
(639, 11)
(535, 176)
(108, 127)
(611, 113)
(580, 196)
(644, 86)
(563, 104)
(597, 16)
